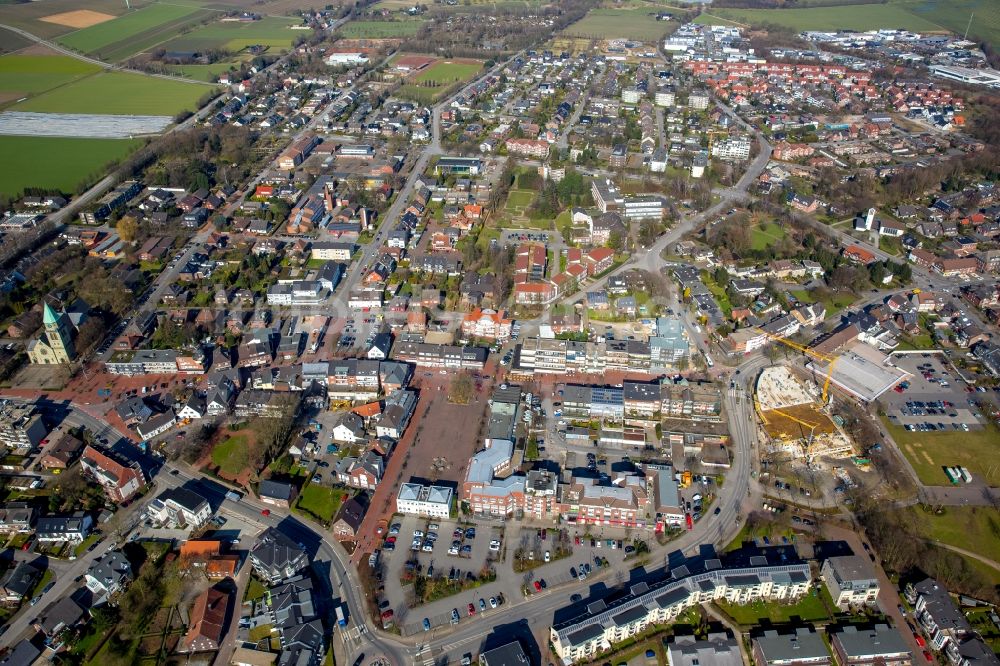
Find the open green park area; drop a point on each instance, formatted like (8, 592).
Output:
(765, 235)
(972, 528)
(638, 24)
(118, 93)
(930, 452)
(22, 75)
(134, 31)
(54, 162)
(230, 455)
(833, 303)
(379, 29)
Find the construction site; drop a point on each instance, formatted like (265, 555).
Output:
(792, 414)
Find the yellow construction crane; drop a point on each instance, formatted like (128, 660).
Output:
(812, 353)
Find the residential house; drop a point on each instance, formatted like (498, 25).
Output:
(108, 575)
(850, 580)
(73, 528)
(120, 477)
(276, 493)
(348, 520)
(179, 508)
(276, 557)
(18, 583)
(207, 621)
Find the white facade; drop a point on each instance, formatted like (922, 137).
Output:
(430, 501)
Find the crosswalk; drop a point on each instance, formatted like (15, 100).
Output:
(424, 656)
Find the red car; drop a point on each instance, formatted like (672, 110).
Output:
(538, 587)
(265, 512)
(472, 610)
(928, 656)
(920, 640)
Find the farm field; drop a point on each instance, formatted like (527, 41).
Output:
(270, 31)
(56, 162)
(22, 75)
(127, 34)
(856, 17)
(380, 29)
(635, 24)
(11, 41)
(765, 235)
(118, 93)
(29, 15)
(929, 452)
(954, 15)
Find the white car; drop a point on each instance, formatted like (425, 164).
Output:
(418, 534)
(453, 551)
(548, 556)
(495, 545)
(428, 548)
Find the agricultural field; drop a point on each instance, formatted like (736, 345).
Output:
(52, 18)
(856, 17)
(930, 452)
(234, 36)
(634, 24)
(131, 33)
(24, 75)
(379, 29)
(118, 93)
(955, 14)
(56, 162)
(11, 41)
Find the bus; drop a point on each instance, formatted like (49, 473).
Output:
(341, 619)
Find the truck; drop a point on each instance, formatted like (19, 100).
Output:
(234, 496)
(341, 618)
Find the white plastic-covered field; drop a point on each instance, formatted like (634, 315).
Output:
(87, 126)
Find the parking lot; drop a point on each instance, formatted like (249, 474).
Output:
(936, 398)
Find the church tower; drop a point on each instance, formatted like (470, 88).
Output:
(59, 334)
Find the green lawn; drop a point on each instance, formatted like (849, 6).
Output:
(85, 544)
(765, 235)
(255, 590)
(379, 29)
(721, 297)
(855, 17)
(46, 578)
(519, 200)
(638, 24)
(810, 608)
(271, 31)
(130, 25)
(118, 93)
(319, 500)
(833, 304)
(229, 455)
(53, 162)
(972, 528)
(445, 72)
(929, 452)
(24, 74)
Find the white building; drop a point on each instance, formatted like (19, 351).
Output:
(602, 625)
(851, 580)
(430, 501)
(179, 508)
(732, 149)
(339, 58)
(645, 208)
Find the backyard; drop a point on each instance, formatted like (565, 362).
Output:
(765, 235)
(834, 302)
(814, 606)
(230, 455)
(930, 452)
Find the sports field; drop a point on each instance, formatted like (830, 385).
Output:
(445, 72)
(118, 93)
(22, 75)
(130, 33)
(855, 17)
(56, 162)
(380, 29)
(635, 24)
(930, 452)
(270, 31)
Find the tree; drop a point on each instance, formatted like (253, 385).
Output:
(461, 389)
(127, 228)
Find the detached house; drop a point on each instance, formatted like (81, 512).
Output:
(108, 575)
(275, 557)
